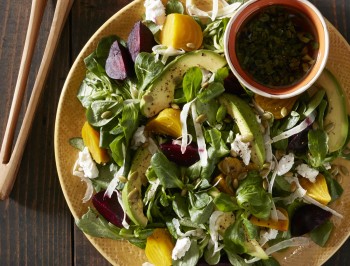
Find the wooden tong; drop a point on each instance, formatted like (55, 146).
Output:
(10, 161)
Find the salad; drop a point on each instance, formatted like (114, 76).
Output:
(182, 161)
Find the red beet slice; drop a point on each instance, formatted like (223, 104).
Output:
(174, 154)
(140, 40)
(109, 208)
(119, 64)
(308, 217)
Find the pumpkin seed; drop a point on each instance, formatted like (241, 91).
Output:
(242, 176)
(233, 153)
(191, 45)
(247, 138)
(106, 114)
(329, 127)
(339, 178)
(133, 194)
(201, 118)
(175, 106)
(284, 112)
(235, 183)
(265, 184)
(266, 165)
(344, 170)
(122, 179)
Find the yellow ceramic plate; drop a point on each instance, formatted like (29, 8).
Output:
(70, 119)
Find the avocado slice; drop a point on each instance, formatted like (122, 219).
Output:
(141, 162)
(161, 92)
(131, 194)
(247, 124)
(337, 113)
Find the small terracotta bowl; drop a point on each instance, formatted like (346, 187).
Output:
(319, 30)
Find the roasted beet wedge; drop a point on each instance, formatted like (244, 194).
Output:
(308, 217)
(174, 154)
(109, 208)
(140, 40)
(299, 142)
(119, 64)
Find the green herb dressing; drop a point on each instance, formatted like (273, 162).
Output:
(276, 47)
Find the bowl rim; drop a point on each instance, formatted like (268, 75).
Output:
(249, 8)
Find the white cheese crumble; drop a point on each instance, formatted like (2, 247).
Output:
(241, 148)
(306, 171)
(86, 168)
(181, 247)
(85, 165)
(138, 138)
(155, 11)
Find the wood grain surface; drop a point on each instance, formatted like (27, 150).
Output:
(36, 227)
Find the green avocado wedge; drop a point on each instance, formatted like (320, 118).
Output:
(337, 114)
(131, 194)
(161, 92)
(248, 125)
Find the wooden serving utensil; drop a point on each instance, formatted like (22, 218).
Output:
(10, 161)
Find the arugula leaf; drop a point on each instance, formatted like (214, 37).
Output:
(199, 200)
(334, 188)
(201, 216)
(117, 150)
(210, 257)
(94, 87)
(214, 33)
(191, 83)
(221, 74)
(97, 109)
(167, 172)
(214, 137)
(147, 68)
(252, 197)
(213, 90)
(93, 224)
(77, 143)
(174, 6)
(180, 205)
(235, 238)
(225, 202)
(209, 109)
(128, 124)
(320, 234)
(318, 147)
(235, 259)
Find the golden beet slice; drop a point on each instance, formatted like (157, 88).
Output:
(181, 32)
(91, 139)
(167, 122)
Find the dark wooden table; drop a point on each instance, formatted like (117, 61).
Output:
(36, 227)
